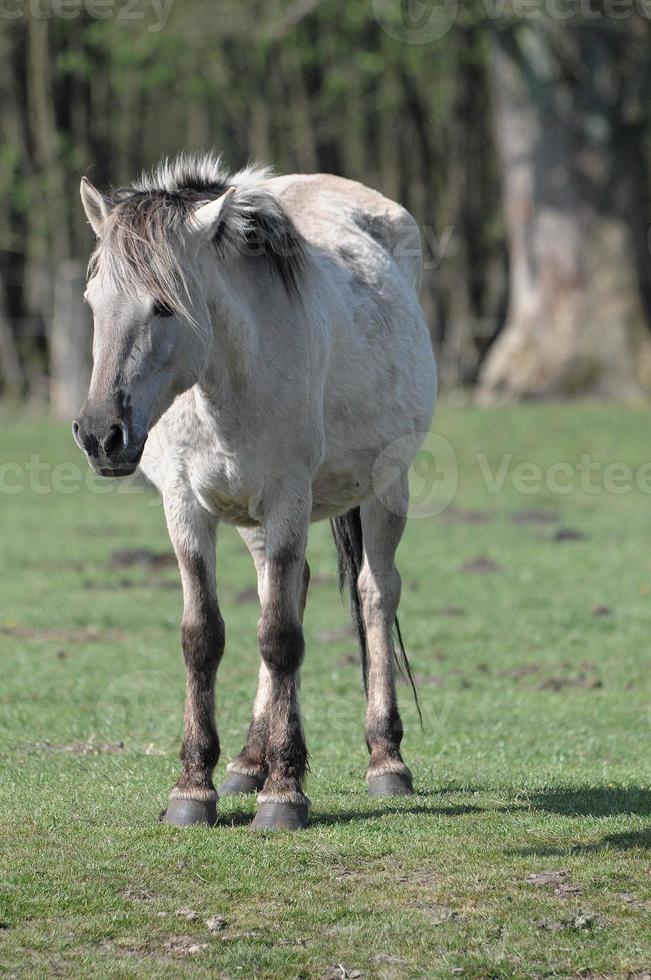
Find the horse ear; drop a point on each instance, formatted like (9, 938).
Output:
(95, 205)
(207, 219)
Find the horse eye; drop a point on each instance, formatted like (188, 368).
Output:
(160, 309)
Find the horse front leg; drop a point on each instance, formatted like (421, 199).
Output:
(248, 771)
(282, 803)
(193, 799)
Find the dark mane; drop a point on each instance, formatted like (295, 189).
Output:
(148, 219)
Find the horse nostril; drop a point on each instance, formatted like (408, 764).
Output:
(85, 440)
(114, 440)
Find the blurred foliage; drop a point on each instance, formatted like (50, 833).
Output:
(303, 85)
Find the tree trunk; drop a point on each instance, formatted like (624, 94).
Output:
(12, 376)
(576, 323)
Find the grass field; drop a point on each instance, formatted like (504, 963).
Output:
(527, 612)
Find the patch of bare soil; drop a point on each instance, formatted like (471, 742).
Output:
(454, 515)
(558, 678)
(137, 894)
(143, 557)
(175, 946)
(184, 946)
(568, 534)
(481, 565)
(581, 922)
(451, 611)
(189, 914)
(90, 635)
(301, 941)
(128, 583)
(438, 914)
(558, 880)
(216, 923)
(586, 678)
(601, 611)
(634, 902)
(79, 748)
(390, 959)
(340, 972)
(363, 872)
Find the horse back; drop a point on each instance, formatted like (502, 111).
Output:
(310, 197)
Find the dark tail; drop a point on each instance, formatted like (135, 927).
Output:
(347, 532)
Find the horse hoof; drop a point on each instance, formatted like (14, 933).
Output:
(237, 783)
(280, 816)
(390, 784)
(190, 813)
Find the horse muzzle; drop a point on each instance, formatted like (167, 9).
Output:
(109, 448)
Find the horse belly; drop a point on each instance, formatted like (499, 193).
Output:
(227, 508)
(335, 491)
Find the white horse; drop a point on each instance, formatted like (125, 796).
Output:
(258, 343)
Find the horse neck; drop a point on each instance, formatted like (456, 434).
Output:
(233, 342)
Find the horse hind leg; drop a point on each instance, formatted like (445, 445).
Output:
(378, 587)
(248, 771)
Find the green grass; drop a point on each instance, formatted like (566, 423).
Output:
(534, 680)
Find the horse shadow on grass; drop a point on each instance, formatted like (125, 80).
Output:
(629, 840)
(579, 801)
(325, 819)
(321, 818)
(594, 801)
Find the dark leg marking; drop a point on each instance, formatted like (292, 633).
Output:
(193, 799)
(248, 771)
(282, 803)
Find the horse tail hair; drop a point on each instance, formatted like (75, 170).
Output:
(405, 669)
(347, 532)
